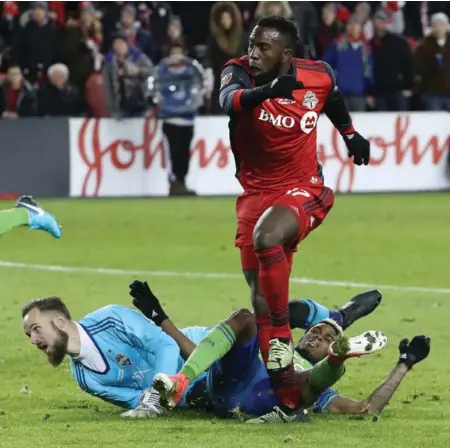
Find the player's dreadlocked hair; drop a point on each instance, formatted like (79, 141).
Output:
(283, 26)
(47, 304)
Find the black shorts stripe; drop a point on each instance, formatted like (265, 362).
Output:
(319, 206)
(314, 199)
(321, 203)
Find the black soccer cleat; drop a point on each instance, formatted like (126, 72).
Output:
(359, 306)
(25, 201)
(282, 414)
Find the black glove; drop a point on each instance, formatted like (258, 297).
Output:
(145, 301)
(358, 148)
(283, 86)
(415, 351)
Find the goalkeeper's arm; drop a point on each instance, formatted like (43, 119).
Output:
(185, 344)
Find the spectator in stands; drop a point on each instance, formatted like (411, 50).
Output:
(174, 35)
(8, 21)
(393, 67)
(132, 30)
(92, 32)
(155, 17)
(395, 16)
(351, 59)
(179, 85)
(226, 41)
(247, 12)
(125, 76)
(36, 44)
(276, 8)
(362, 14)
(111, 12)
(57, 98)
(419, 16)
(80, 46)
(432, 59)
(329, 29)
(305, 16)
(17, 97)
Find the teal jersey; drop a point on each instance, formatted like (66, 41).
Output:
(133, 348)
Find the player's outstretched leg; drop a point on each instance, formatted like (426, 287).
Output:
(240, 326)
(305, 313)
(359, 306)
(11, 218)
(326, 373)
(35, 217)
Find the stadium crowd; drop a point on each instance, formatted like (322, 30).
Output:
(94, 58)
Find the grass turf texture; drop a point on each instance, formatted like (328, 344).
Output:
(394, 240)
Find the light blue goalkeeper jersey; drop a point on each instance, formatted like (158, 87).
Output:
(133, 348)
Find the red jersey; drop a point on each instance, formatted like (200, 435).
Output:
(275, 144)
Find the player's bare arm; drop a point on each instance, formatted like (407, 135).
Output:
(145, 300)
(411, 353)
(185, 344)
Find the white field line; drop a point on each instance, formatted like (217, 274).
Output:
(212, 275)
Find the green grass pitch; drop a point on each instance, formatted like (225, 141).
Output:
(392, 240)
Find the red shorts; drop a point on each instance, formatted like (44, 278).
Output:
(309, 203)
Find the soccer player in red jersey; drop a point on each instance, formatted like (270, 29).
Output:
(274, 101)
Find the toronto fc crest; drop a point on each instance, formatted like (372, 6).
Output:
(310, 100)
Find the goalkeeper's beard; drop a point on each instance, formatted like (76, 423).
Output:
(59, 348)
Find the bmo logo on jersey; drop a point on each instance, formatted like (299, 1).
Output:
(278, 121)
(309, 122)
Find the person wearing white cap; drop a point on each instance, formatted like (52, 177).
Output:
(432, 60)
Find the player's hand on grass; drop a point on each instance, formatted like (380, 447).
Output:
(284, 86)
(145, 301)
(358, 148)
(415, 351)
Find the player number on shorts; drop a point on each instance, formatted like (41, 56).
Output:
(298, 192)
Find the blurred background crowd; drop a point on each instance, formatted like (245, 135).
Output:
(103, 58)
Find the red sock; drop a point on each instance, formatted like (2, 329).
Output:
(287, 387)
(289, 258)
(274, 282)
(264, 325)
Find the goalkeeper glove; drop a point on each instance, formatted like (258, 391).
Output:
(145, 301)
(358, 147)
(415, 351)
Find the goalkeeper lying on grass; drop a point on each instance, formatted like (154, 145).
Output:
(227, 374)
